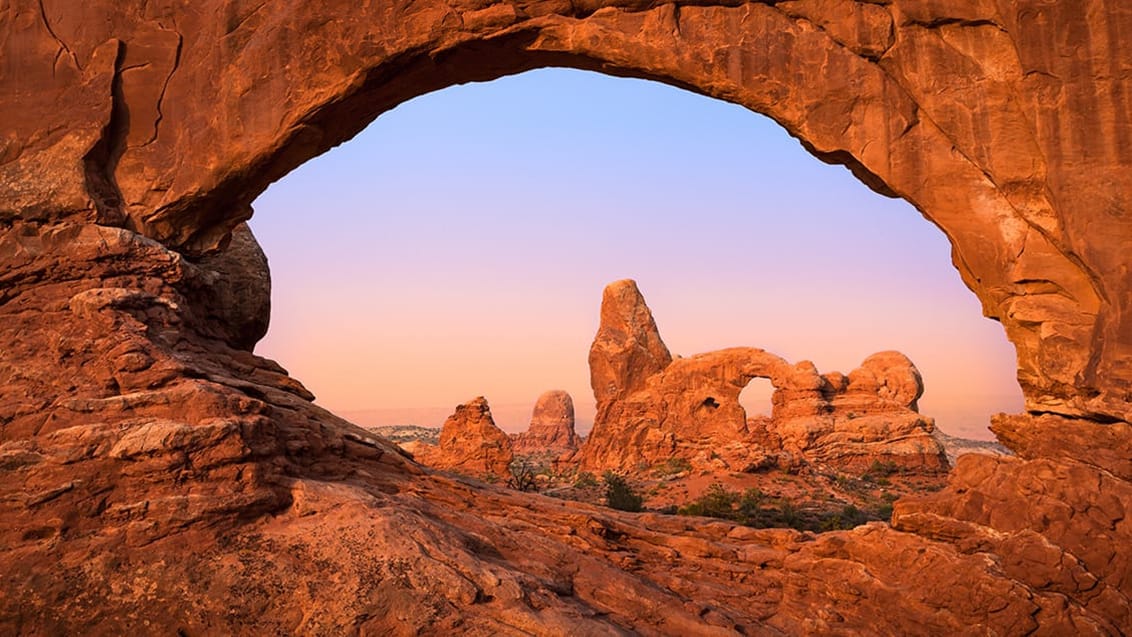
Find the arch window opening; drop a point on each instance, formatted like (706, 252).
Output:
(459, 245)
(757, 399)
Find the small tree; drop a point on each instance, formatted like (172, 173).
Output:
(523, 476)
(585, 480)
(619, 495)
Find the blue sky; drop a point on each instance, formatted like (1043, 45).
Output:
(458, 246)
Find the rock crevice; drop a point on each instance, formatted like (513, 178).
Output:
(142, 447)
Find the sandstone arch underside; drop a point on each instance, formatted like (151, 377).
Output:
(135, 137)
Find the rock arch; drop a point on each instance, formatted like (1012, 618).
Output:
(137, 135)
(757, 397)
(173, 130)
(652, 408)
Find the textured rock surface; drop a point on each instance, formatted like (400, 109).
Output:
(241, 290)
(135, 117)
(690, 407)
(627, 350)
(552, 427)
(151, 470)
(470, 444)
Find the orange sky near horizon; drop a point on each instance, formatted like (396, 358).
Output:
(459, 246)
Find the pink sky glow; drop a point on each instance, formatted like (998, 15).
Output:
(459, 246)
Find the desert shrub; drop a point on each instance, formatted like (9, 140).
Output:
(619, 495)
(671, 467)
(789, 516)
(879, 470)
(849, 517)
(753, 508)
(585, 480)
(720, 502)
(523, 476)
(717, 502)
(750, 507)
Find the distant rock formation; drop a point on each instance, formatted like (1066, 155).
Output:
(651, 408)
(470, 443)
(152, 467)
(410, 438)
(627, 350)
(408, 433)
(551, 430)
(955, 446)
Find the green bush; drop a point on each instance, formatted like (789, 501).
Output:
(717, 502)
(879, 472)
(789, 515)
(849, 517)
(619, 495)
(671, 467)
(750, 507)
(753, 508)
(720, 502)
(585, 480)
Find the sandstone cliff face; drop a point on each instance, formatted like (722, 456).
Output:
(150, 467)
(470, 444)
(120, 116)
(627, 350)
(551, 430)
(690, 407)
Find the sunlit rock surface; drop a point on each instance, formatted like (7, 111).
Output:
(152, 470)
(551, 430)
(649, 412)
(470, 443)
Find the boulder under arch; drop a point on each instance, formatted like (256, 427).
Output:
(144, 450)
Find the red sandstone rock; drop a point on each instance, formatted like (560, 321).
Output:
(627, 350)
(242, 288)
(690, 408)
(152, 470)
(470, 444)
(895, 378)
(551, 430)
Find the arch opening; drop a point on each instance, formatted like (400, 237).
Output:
(480, 181)
(898, 136)
(138, 137)
(757, 399)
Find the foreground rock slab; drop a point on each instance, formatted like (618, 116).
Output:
(153, 470)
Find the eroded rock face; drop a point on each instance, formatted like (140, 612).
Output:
(470, 444)
(627, 350)
(552, 427)
(152, 467)
(126, 118)
(690, 407)
(241, 290)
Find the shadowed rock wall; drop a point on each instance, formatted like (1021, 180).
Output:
(150, 467)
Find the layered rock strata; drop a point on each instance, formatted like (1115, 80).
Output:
(152, 470)
(649, 411)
